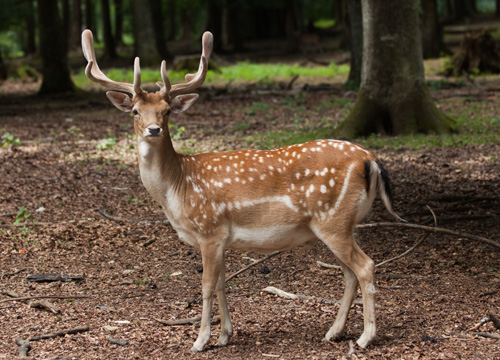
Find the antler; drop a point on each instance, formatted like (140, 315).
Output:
(194, 81)
(96, 75)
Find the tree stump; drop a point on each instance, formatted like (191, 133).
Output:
(478, 53)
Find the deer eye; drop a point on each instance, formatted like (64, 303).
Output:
(135, 112)
(169, 112)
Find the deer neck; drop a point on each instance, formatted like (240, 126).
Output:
(160, 168)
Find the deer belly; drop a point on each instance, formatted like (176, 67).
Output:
(270, 238)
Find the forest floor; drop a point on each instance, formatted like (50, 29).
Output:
(76, 160)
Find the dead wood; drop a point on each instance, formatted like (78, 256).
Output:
(117, 341)
(108, 216)
(12, 273)
(478, 53)
(44, 304)
(53, 277)
(495, 320)
(179, 321)
(483, 321)
(24, 298)
(11, 293)
(59, 333)
(431, 229)
(24, 347)
(487, 335)
(253, 264)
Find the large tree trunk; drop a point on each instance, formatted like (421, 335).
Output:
(30, 44)
(393, 98)
(161, 43)
(356, 41)
(118, 22)
(75, 27)
(55, 70)
(144, 36)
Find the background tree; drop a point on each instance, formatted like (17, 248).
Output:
(55, 71)
(393, 98)
(355, 20)
(432, 34)
(109, 40)
(157, 16)
(144, 35)
(75, 24)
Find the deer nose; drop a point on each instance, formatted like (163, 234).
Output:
(154, 130)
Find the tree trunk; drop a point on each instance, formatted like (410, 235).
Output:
(161, 43)
(432, 36)
(356, 41)
(109, 40)
(393, 98)
(89, 19)
(118, 22)
(65, 24)
(214, 23)
(55, 70)
(75, 27)
(30, 44)
(144, 36)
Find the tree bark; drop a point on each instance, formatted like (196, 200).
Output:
(30, 44)
(393, 98)
(55, 70)
(118, 22)
(89, 19)
(75, 27)
(161, 44)
(109, 41)
(432, 35)
(356, 42)
(144, 37)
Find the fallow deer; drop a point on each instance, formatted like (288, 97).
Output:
(258, 200)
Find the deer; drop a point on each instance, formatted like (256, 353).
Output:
(251, 200)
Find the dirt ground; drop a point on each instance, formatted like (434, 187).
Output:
(132, 273)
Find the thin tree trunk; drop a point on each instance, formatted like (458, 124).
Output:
(89, 19)
(161, 44)
(432, 38)
(109, 40)
(118, 22)
(75, 27)
(356, 41)
(145, 43)
(393, 98)
(30, 44)
(55, 71)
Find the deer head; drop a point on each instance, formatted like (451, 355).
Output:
(151, 110)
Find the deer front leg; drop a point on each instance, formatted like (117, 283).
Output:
(226, 326)
(212, 258)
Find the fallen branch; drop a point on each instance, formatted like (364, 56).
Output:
(487, 335)
(253, 264)
(179, 321)
(406, 252)
(108, 216)
(59, 333)
(53, 277)
(494, 320)
(24, 298)
(24, 347)
(44, 304)
(287, 295)
(430, 229)
(117, 341)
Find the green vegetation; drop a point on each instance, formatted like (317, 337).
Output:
(10, 140)
(241, 72)
(106, 143)
(22, 215)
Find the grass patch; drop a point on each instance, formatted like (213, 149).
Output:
(241, 72)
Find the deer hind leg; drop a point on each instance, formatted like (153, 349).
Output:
(212, 259)
(351, 284)
(226, 326)
(353, 258)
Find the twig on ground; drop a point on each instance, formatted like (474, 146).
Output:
(108, 216)
(253, 264)
(287, 295)
(179, 321)
(24, 347)
(430, 229)
(117, 341)
(328, 266)
(44, 304)
(24, 298)
(13, 273)
(59, 333)
(53, 277)
(495, 320)
(406, 252)
(483, 321)
(487, 335)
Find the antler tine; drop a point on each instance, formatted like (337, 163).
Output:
(93, 71)
(195, 80)
(165, 86)
(137, 76)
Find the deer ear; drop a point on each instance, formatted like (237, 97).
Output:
(183, 102)
(122, 101)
